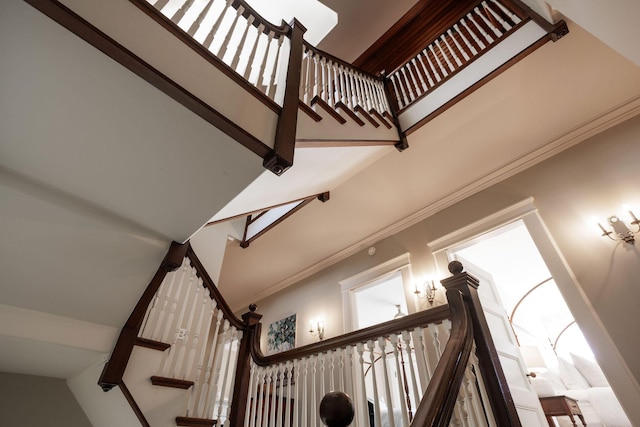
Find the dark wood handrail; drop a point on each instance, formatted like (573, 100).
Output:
(434, 315)
(340, 61)
(436, 406)
(248, 11)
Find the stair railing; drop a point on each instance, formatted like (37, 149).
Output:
(421, 369)
(485, 25)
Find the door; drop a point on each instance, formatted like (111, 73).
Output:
(524, 397)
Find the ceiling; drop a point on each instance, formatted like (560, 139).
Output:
(81, 238)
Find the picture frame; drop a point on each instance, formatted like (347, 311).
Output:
(281, 335)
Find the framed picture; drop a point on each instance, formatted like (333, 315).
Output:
(282, 335)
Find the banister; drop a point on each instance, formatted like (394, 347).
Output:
(339, 61)
(284, 28)
(436, 406)
(434, 315)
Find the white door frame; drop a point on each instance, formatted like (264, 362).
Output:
(613, 365)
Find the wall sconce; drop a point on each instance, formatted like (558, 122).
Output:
(620, 229)
(316, 328)
(429, 290)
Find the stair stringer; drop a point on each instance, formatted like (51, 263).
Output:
(159, 405)
(328, 131)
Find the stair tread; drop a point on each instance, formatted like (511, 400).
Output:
(309, 111)
(350, 113)
(171, 382)
(190, 421)
(358, 109)
(318, 101)
(152, 344)
(380, 117)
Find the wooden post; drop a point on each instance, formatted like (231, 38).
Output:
(281, 158)
(501, 401)
(240, 398)
(402, 144)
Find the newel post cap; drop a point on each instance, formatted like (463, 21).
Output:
(459, 279)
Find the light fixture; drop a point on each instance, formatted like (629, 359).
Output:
(620, 230)
(429, 290)
(399, 314)
(316, 328)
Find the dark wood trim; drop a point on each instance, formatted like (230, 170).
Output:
(92, 35)
(153, 345)
(502, 404)
(433, 315)
(402, 143)
(184, 37)
(245, 242)
(534, 46)
(326, 107)
(240, 396)
(325, 143)
(436, 407)
(340, 105)
(134, 405)
(213, 290)
(284, 146)
(195, 422)
(260, 210)
(380, 118)
(114, 369)
(309, 111)
(171, 382)
(268, 26)
(359, 110)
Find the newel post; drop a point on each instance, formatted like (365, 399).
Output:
(501, 401)
(402, 144)
(240, 398)
(281, 158)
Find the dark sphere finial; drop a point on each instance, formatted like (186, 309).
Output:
(336, 409)
(252, 307)
(455, 267)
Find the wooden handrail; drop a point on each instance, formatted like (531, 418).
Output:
(258, 20)
(434, 315)
(436, 406)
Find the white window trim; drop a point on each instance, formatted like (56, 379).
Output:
(349, 285)
(617, 371)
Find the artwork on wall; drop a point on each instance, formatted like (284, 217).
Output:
(282, 335)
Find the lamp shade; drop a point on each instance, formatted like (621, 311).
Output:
(533, 357)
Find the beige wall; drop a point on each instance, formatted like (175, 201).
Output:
(30, 401)
(572, 191)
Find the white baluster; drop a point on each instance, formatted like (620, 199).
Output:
(201, 401)
(403, 387)
(252, 55)
(514, 18)
(316, 76)
(444, 55)
(353, 100)
(416, 88)
(475, 37)
(242, 44)
(195, 26)
(227, 366)
(206, 315)
(382, 346)
(337, 84)
(376, 398)
(424, 69)
(406, 337)
(362, 408)
(441, 68)
(274, 70)
(159, 322)
(181, 370)
(492, 27)
(177, 297)
(323, 372)
(344, 96)
(213, 386)
(181, 12)
(252, 401)
(400, 93)
(324, 85)
(262, 392)
(296, 396)
(330, 83)
(314, 373)
(434, 71)
(465, 40)
(305, 383)
(453, 52)
(486, 36)
(160, 4)
(235, 346)
(424, 369)
(416, 69)
(209, 39)
(505, 25)
(260, 81)
(455, 40)
(289, 378)
(225, 44)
